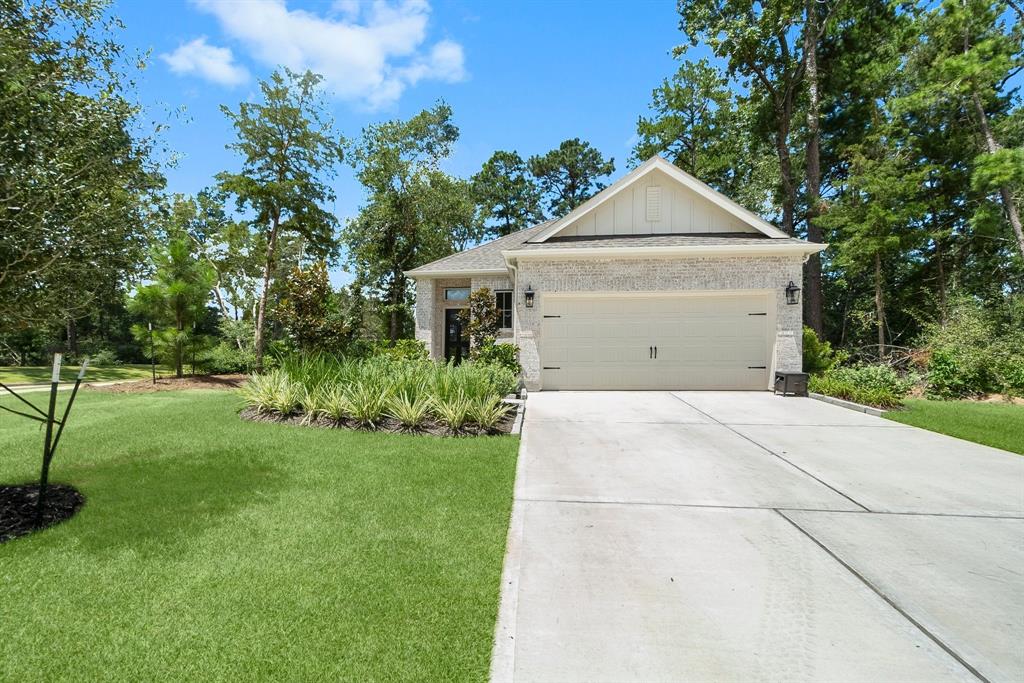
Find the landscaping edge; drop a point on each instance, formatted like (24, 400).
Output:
(849, 405)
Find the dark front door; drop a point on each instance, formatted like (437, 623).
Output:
(456, 344)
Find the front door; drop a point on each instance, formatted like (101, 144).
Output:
(456, 344)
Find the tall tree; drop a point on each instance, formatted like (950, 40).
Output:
(403, 223)
(76, 177)
(570, 174)
(289, 152)
(770, 48)
(691, 120)
(507, 193)
(698, 123)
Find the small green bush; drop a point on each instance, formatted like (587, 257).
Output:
(453, 412)
(273, 391)
(978, 350)
(875, 385)
(104, 358)
(502, 355)
(819, 356)
(401, 349)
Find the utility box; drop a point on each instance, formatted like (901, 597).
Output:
(794, 383)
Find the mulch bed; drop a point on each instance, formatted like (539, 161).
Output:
(175, 384)
(385, 425)
(18, 508)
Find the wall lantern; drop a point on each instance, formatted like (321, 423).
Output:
(792, 294)
(529, 296)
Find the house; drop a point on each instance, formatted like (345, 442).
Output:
(657, 282)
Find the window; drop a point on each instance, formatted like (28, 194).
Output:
(503, 300)
(456, 293)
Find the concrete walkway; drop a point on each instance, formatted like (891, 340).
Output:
(720, 536)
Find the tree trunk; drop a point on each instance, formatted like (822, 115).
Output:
(261, 308)
(879, 306)
(814, 304)
(72, 330)
(786, 175)
(397, 288)
(1005, 194)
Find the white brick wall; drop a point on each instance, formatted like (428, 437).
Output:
(651, 275)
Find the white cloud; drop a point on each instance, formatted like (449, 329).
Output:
(213, 63)
(367, 53)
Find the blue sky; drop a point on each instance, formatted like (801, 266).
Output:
(521, 76)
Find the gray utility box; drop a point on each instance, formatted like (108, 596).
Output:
(791, 383)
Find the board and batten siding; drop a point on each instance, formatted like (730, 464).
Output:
(655, 204)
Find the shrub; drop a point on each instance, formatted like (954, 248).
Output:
(876, 385)
(453, 412)
(401, 349)
(367, 402)
(273, 391)
(488, 412)
(481, 318)
(409, 409)
(978, 350)
(226, 357)
(502, 355)
(104, 358)
(819, 356)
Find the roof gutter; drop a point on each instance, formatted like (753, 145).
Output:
(417, 274)
(662, 252)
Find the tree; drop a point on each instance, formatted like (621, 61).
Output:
(968, 57)
(569, 175)
(76, 179)
(691, 122)
(507, 193)
(876, 218)
(760, 46)
(481, 318)
(289, 153)
(175, 300)
(308, 310)
(403, 223)
(700, 125)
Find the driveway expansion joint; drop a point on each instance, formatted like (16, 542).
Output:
(768, 450)
(888, 600)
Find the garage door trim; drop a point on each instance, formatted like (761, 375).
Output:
(770, 302)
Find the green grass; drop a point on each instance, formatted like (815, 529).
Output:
(215, 549)
(41, 375)
(1000, 425)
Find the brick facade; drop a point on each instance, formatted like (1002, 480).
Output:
(659, 275)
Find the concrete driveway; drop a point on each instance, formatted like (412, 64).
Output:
(725, 536)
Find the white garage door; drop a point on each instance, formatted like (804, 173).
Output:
(655, 342)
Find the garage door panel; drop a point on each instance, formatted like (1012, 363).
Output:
(704, 342)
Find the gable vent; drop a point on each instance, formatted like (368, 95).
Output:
(653, 204)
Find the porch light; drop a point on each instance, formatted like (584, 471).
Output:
(529, 296)
(792, 294)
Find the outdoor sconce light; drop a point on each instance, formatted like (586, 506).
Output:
(529, 296)
(792, 294)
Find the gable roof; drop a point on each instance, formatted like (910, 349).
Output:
(484, 258)
(657, 163)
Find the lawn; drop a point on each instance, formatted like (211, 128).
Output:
(1000, 425)
(211, 548)
(40, 374)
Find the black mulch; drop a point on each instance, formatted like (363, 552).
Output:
(18, 508)
(386, 424)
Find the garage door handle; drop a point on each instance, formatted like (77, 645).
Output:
(650, 352)
(655, 353)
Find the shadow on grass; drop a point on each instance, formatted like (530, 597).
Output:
(158, 505)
